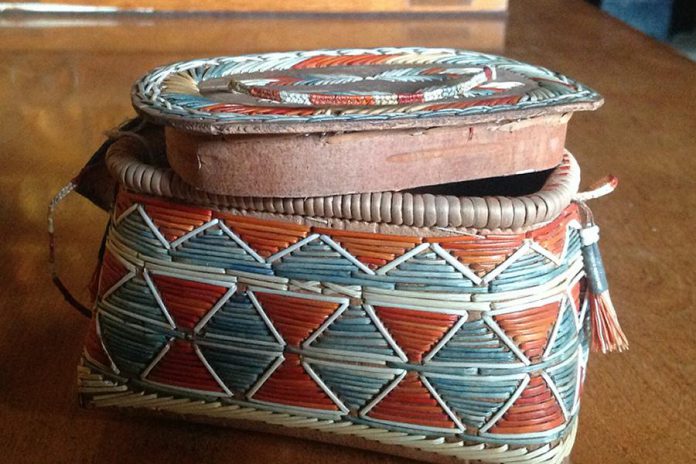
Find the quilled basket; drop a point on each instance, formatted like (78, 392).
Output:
(419, 323)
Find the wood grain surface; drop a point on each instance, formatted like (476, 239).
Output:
(316, 6)
(66, 81)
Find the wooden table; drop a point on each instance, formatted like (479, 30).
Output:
(66, 80)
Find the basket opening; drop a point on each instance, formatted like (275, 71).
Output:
(515, 185)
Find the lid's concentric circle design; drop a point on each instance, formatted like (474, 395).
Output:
(352, 89)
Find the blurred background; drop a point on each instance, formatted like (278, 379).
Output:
(670, 21)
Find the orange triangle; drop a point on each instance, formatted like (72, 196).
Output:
(187, 301)
(410, 402)
(263, 236)
(536, 410)
(174, 220)
(325, 61)
(291, 385)
(295, 318)
(530, 329)
(416, 332)
(481, 254)
(181, 367)
(553, 236)
(94, 348)
(373, 250)
(112, 271)
(575, 293)
(124, 200)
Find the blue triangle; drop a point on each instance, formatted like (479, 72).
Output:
(354, 331)
(135, 298)
(430, 272)
(317, 260)
(131, 346)
(566, 333)
(534, 269)
(137, 235)
(238, 320)
(353, 386)
(475, 342)
(565, 378)
(214, 248)
(474, 401)
(238, 370)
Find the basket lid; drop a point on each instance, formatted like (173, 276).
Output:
(353, 90)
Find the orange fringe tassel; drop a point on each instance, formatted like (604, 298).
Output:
(607, 335)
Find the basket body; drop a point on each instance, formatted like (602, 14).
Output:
(300, 254)
(418, 342)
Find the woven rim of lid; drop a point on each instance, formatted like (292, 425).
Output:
(392, 208)
(185, 108)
